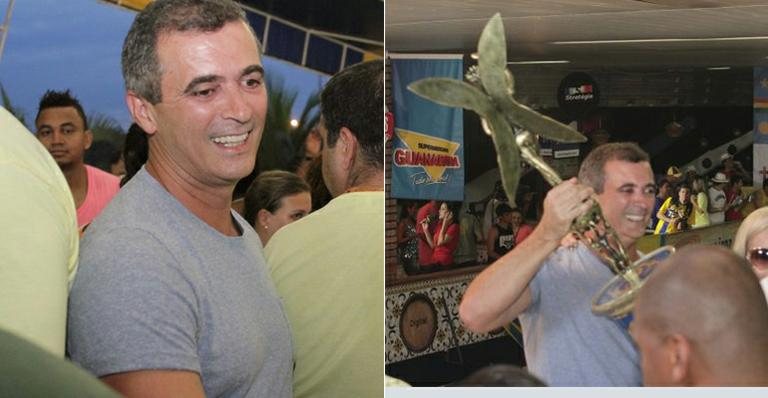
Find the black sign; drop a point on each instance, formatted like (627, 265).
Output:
(577, 94)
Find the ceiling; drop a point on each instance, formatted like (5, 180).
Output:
(533, 27)
(363, 19)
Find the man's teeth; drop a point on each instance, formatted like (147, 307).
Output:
(631, 217)
(230, 140)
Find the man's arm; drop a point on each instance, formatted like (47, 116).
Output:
(500, 293)
(156, 383)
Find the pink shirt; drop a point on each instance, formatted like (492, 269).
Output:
(102, 186)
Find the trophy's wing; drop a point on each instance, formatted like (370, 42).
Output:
(527, 119)
(451, 92)
(507, 152)
(500, 85)
(492, 61)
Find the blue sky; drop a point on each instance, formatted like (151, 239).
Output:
(75, 44)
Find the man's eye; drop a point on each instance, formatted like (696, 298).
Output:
(203, 93)
(253, 82)
(651, 191)
(43, 133)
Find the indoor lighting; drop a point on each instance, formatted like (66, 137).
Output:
(661, 40)
(561, 61)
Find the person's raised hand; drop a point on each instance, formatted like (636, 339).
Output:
(562, 205)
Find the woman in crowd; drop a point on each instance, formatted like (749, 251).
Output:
(407, 237)
(674, 213)
(275, 199)
(751, 241)
(700, 201)
(446, 236)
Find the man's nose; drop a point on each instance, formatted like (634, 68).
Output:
(237, 106)
(57, 137)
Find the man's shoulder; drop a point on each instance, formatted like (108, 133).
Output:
(349, 216)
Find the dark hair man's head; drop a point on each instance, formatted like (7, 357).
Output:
(500, 376)
(621, 176)
(62, 127)
(503, 209)
(352, 114)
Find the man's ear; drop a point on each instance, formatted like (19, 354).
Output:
(88, 139)
(349, 147)
(678, 351)
(142, 112)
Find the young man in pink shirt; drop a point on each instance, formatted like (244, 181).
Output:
(62, 128)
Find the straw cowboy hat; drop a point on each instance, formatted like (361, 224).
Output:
(720, 178)
(674, 172)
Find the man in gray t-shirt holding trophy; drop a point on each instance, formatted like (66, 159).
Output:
(173, 297)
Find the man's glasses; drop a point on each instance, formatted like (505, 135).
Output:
(758, 257)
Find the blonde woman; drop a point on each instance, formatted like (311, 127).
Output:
(751, 241)
(699, 200)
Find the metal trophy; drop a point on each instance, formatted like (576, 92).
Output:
(489, 92)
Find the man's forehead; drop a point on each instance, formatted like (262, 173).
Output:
(620, 172)
(60, 115)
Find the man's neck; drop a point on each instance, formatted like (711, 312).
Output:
(631, 250)
(371, 181)
(210, 204)
(77, 179)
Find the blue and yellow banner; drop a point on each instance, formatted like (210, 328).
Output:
(428, 158)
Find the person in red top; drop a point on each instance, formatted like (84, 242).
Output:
(62, 128)
(427, 212)
(446, 236)
(734, 201)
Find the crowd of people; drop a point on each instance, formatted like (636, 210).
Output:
(440, 235)
(152, 284)
(683, 201)
(694, 201)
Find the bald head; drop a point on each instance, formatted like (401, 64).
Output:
(705, 302)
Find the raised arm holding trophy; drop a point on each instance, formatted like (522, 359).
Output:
(551, 288)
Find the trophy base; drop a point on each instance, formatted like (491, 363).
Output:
(617, 298)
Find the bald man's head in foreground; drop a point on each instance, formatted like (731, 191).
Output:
(701, 320)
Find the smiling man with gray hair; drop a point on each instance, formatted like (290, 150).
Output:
(173, 297)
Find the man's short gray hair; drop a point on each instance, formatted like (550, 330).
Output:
(592, 170)
(141, 67)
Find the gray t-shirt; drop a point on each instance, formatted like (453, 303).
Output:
(565, 344)
(160, 289)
